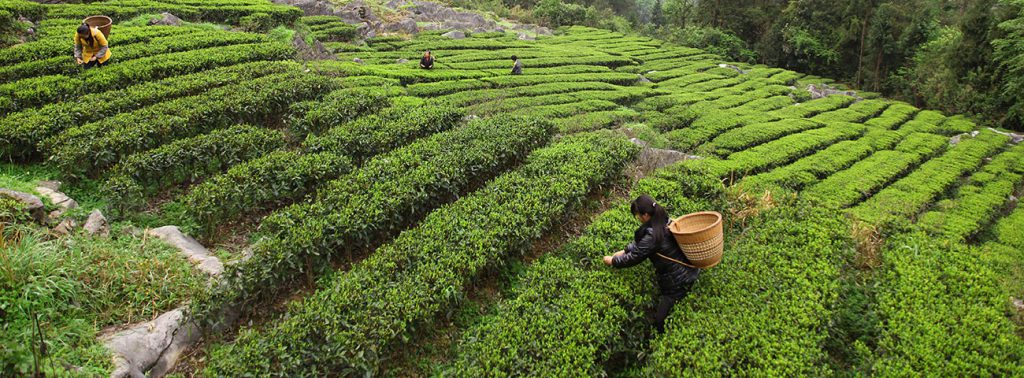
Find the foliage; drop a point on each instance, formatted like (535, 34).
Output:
(187, 160)
(363, 313)
(67, 289)
(401, 185)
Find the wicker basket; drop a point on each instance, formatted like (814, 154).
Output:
(101, 22)
(700, 237)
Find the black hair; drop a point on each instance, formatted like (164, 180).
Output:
(85, 32)
(515, 57)
(645, 205)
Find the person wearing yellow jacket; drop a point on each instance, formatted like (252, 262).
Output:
(91, 47)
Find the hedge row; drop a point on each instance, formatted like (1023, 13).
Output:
(777, 293)
(400, 186)
(445, 87)
(49, 89)
(942, 312)
(832, 159)
(88, 148)
(521, 80)
(624, 95)
(230, 13)
(977, 203)
(699, 123)
(783, 150)
(568, 314)
(57, 45)
(471, 97)
(188, 159)
(335, 109)
(391, 128)
(589, 60)
(569, 110)
(893, 116)
(22, 132)
(751, 135)
(154, 47)
(362, 315)
(265, 183)
(596, 120)
(906, 197)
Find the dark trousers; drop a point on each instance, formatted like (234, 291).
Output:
(94, 63)
(664, 306)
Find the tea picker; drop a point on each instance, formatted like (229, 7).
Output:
(91, 47)
(678, 251)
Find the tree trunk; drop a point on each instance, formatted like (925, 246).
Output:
(860, 55)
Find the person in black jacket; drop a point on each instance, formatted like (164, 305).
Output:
(652, 241)
(427, 61)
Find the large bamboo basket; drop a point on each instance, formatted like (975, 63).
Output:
(101, 22)
(700, 237)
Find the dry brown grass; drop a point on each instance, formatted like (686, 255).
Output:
(869, 242)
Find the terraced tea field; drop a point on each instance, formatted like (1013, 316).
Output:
(368, 217)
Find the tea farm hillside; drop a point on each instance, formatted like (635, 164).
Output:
(254, 191)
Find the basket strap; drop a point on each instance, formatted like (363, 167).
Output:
(676, 261)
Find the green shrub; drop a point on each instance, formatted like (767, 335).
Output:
(393, 127)
(98, 145)
(785, 266)
(401, 185)
(367, 311)
(942, 312)
(335, 109)
(568, 314)
(49, 89)
(264, 183)
(908, 196)
(21, 132)
(257, 23)
(187, 160)
(72, 287)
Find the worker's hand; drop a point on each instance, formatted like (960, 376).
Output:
(93, 59)
(619, 253)
(79, 60)
(608, 260)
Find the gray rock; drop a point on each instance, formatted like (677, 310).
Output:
(65, 227)
(132, 231)
(402, 61)
(357, 60)
(52, 185)
(196, 253)
(58, 198)
(1019, 304)
(366, 31)
(396, 4)
(97, 224)
(407, 25)
(825, 90)
(643, 79)
(525, 37)
(737, 69)
(166, 19)
(454, 34)
(33, 204)
(152, 346)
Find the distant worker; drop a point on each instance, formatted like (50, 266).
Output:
(517, 68)
(427, 61)
(655, 242)
(91, 47)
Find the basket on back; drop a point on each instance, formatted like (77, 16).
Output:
(101, 22)
(700, 237)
